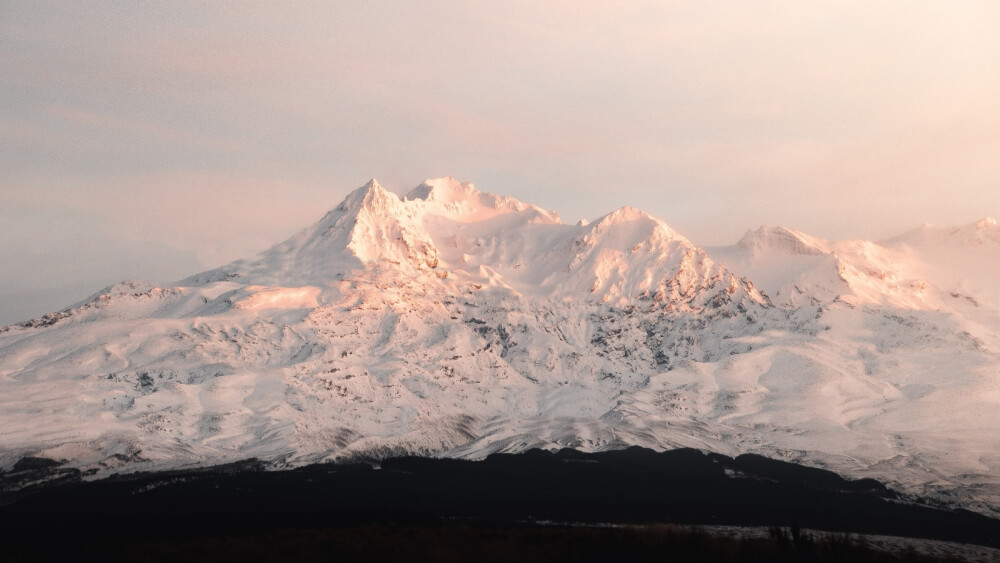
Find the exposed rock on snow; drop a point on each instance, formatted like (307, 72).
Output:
(457, 322)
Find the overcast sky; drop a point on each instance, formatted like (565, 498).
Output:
(147, 140)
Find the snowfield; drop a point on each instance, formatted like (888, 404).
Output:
(459, 323)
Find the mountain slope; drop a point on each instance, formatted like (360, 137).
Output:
(456, 322)
(796, 269)
(963, 260)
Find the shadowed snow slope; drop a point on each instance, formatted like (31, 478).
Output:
(456, 322)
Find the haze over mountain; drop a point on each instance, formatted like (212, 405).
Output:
(460, 323)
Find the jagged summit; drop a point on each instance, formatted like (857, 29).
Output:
(370, 194)
(370, 225)
(446, 229)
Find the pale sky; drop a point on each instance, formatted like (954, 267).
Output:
(149, 140)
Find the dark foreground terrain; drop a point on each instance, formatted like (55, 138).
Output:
(536, 506)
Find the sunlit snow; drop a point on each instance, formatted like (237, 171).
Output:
(455, 322)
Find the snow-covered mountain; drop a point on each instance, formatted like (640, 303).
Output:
(460, 323)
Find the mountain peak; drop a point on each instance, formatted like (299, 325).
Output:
(630, 228)
(629, 214)
(444, 189)
(461, 201)
(370, 195)
(781, 239)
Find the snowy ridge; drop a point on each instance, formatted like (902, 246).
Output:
(456, 322)
(963, 260)
(982, 232)
(795, 269)
(780, 239)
